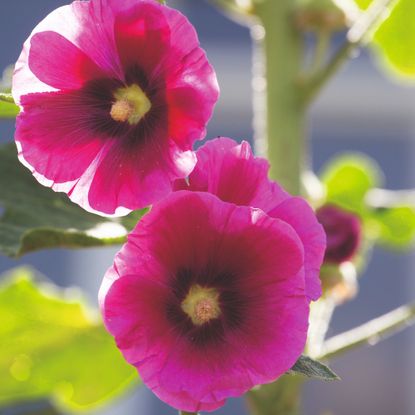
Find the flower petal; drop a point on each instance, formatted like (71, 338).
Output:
(48, 141)
(84, 24)
(134, 177)
(302, 218)
(230, 171)
(256, 259)
(59, 63)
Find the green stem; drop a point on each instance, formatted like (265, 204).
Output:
(279, 398)
(279, 114)
(320, 316)
(6, 98)
(279, 124)
(187, 413)
(356, 36)
(323, 40)
(383, 198)
(369, 333)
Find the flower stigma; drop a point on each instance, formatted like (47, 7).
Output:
(201, 304)
(131, 104)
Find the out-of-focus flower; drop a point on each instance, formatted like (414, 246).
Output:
(207, 299)
(113, 95)
(343, 230)
(230, 171)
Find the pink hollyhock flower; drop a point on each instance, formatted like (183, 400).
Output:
(343, 231)
(113, 95)
(230, 171)
(207, 299)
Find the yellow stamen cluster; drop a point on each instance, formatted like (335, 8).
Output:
(130, 105)
(201, 304)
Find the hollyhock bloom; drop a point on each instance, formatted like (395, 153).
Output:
(207, 299)
(230, 171)
(113, 95)
(343, 231)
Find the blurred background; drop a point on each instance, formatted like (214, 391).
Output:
(360, 111)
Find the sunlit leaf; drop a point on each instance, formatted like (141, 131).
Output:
(396, 226)
(35, 217)
(53, 347)
(347, 180)
(8, 110)
(394, 41)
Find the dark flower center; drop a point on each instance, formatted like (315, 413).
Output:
(133, 111)
(205, 305)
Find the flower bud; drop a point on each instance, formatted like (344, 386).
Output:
(343, 230)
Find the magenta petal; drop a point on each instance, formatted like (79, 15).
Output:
(72, 22)
(190, 100)
(59, 63)
(230, 171)
(301, 217)
(139, 24)
(255, 263)
(117, 181)
(68, 79)
(47, 140)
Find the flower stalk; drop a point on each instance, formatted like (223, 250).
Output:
(369, 333)
(279, 133)
(357, 36)
(6, 98)
(278, 96)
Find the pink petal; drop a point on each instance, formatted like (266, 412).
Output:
(137, 25)
(263, 260)
(302, 218)
(230, 171)
(190, 101)
(48, 141)
(134, 177)
(59, 63)
(72, 22)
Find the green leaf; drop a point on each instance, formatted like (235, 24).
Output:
(53, 347)
(313, 369)
(347, 180)
(395, 39)
(396, 226)
(36, 217)
(8, 110)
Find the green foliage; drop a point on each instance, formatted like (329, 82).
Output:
(313, 369)
(53, 347)
(395, 38)
(348, 178)
(396, 225)
(35, 217)
(8, 110)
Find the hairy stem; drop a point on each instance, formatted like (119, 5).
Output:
(279, 398)
(356, 36)
(383, 198)
(320, 317)
(6, 98)
(279, 114)
(369, 333)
